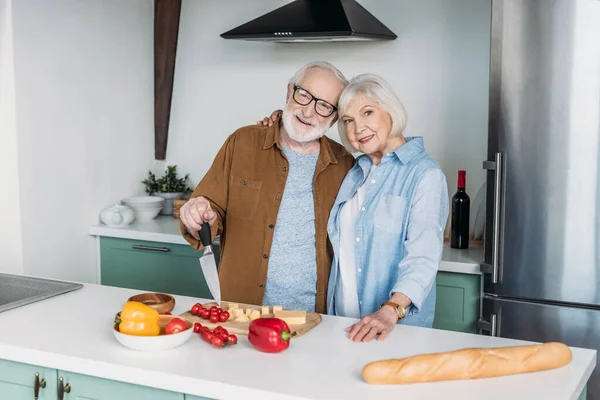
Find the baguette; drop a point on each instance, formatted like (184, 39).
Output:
(470, 363)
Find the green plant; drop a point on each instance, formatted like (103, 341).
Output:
(168, 183)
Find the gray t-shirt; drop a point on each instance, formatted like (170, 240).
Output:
(292, 272)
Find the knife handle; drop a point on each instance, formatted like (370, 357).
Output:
(204, 234)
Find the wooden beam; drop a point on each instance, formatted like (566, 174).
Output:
(166, 29)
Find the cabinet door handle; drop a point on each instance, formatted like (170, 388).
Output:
(37, 384)
(152, 248)
(62, 388)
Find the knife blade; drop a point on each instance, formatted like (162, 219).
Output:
(208, 264)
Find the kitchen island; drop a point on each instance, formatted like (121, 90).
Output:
(71, 334)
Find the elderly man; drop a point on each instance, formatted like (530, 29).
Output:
(268, 194)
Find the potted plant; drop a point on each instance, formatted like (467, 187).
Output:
(169, 187)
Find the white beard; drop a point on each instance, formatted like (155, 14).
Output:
(300, 135)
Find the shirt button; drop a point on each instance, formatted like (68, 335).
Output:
(360, 302)
(244, 183)
(363, 209)
(358, 239)
(359, 270)
(271, 226)
(261, 286)
(372, 180)
(278, 197)
(265, 256)
(285, 168)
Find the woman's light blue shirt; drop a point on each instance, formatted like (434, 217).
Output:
(400, 230)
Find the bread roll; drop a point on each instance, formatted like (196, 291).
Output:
(471, 363)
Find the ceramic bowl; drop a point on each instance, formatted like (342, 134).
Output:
(161, 302)
(161, 342)
(146, 207)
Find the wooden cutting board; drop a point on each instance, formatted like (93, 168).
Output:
(241, 328)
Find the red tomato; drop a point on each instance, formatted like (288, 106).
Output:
(217, 341)
(207, 335)
(204, 329)
(232, 339)
(196, 309)
(197, 327)
(176, 325)
(224, 316)
(218, 329)
(214, 319)
(213, 308)
(205, 313)
(223, 330)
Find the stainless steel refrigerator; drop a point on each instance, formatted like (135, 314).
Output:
(542, 242)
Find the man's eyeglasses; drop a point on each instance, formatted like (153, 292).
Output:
(304, 98)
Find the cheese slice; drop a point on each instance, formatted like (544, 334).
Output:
(255, 314)
(232, 306)
(237, 312)
(291, 317)
(242, 318)
(248, 311)
(277, 308)
(265, 310)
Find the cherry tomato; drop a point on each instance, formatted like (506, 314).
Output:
(176, 325)
(204, 329)
(196, 309)
(217, 341)
(207, 335)
(205, 314)
(225, 337)
(213, 308)
(223, 330)
(214, 319)
(232, 339)
(218, 329)
(224, 316)
(197, 327)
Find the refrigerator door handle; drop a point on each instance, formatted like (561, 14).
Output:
(494, 267)
(490, 326)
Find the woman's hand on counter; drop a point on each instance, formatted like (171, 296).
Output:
(379, 323)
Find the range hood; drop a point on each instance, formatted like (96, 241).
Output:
(314, 21)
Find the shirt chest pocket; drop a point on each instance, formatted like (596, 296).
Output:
(390, 212)
(244, 195)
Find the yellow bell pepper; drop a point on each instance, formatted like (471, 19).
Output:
(138, 319)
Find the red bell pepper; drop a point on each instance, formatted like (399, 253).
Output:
(270, 335)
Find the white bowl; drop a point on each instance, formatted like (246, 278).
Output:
(147, 215)
(144, 201)
(152, 344)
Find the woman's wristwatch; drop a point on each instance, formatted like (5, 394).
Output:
(399, 309)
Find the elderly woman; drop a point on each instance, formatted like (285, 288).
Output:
(387, 223)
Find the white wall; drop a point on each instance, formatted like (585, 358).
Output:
(438, 65)
(84, 101)
(11, 247)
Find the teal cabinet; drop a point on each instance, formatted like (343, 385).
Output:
(84, 387)
(18, 381)
(152, 266)
(457, 303)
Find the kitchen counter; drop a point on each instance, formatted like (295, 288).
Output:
(165, 229)
(73, 332)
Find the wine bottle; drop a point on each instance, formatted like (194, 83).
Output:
(461, 203)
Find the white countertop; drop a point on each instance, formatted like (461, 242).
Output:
(165, 229)
(73, 332)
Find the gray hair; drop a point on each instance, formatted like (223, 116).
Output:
(324, 65)
(377, 89)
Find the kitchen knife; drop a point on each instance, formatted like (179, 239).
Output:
(208, 264)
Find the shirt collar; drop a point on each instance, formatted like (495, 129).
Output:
(273, 137)
(405, 153)
(412, 148)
